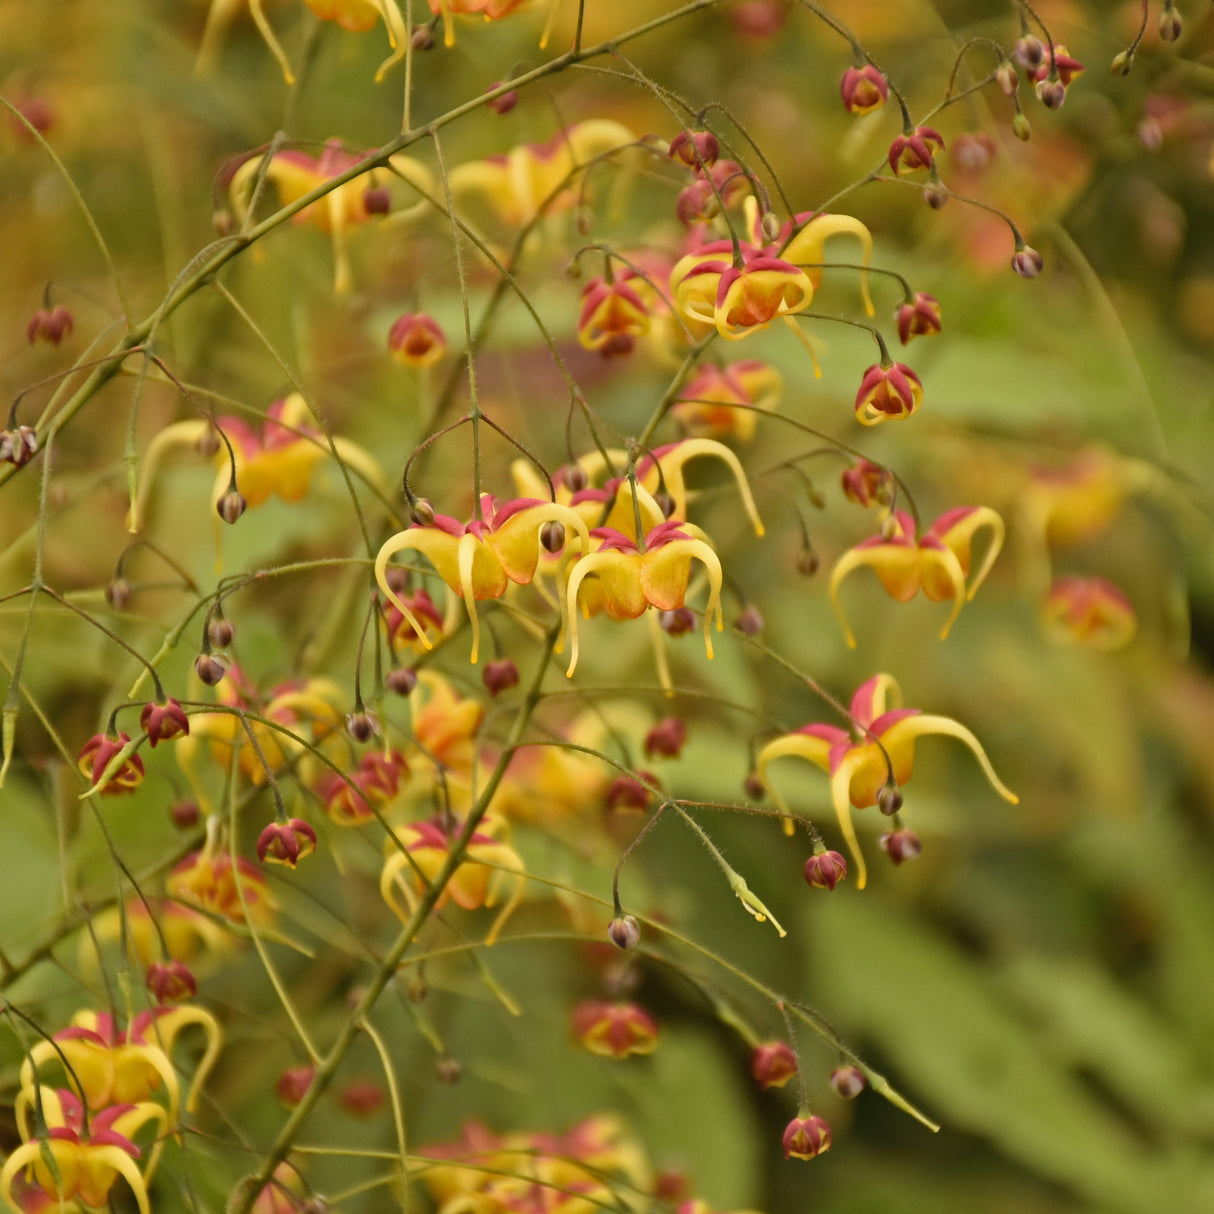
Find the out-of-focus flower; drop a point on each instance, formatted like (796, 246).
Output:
(235, 891)
(938, 563)
(614, 313)
(868, 484)
(717, 402)
(848, 1082)
(880, 750)
(825, 869)
(490, 10)
(286, 842)
(375, 782)
(50, 325)
(863, 89)
(477, 882)
(614, 1029)
(773, 1064)
(1088, 611)
(417, 340)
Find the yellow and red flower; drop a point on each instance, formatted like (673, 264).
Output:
(718, 400)
(888, 392)
(417, 340)
(938, 563)
(1088, 611)
(879, 751)
(614, 1029)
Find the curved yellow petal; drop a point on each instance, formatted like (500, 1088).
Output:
(807, 247)
(840, 793)
(672, 461)
(896, 565)
(179, 434)
(909, 728)
(400, 542)
(466, 553)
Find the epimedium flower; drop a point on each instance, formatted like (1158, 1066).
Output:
(375, 782)
(868, 484)
(773, 1064)
(232, 889)
(718, 401)
(420, 849)
(490, 10)
(914, 149)
(863, 89)
(624, 577)
(403, 632)
(880, 750)
(1088, 611)
(478, 560)
(161, 722)
(888, 391)
(615, 312)
(72, 1164)
(170, 982)
(286, 843)
(614, 1029)
(416, 339)
(112, 1066)
(918, 317)
(295, 174)
(152, 928)
(100, 753)
(939, 563)
(806, 1137)
(51, 325)
(276, 459)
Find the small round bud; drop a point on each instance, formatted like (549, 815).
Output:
(220, 632)
(286, 843)
(18, 446)
(1006, 78)
(575, 478)
(505, 103)
(806, 1138)
(624, 932)
(552, 536)
(825, 869)
(1021, 128)
(1051, 93)
(627, 793)
(500, 676)
(678, 622)
(754, 788)
(448, 1070)
(848, 1081)
(118, 593)
(901, 845)
(936, 199)
(184, 814)
(377, 200)
(1027, 262)
(666, 739)
(362, 1098)
(889, 799)
(207, 443)
(222, 221)
(773, 1064)
(807, 562)
(1170, 24)
(1122, 64)
(209, 668)
(574, 270)
(422, 513)
(231, 506)
(423, 38)
(770, 226)
(1029, 52)
(749, 622)
(697, 150)
(401, 681)
(362, 726)
(171, 983)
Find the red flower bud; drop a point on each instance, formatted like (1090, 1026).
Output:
(286, 842)
(901, 845)
(666, 738)
(402, 681)
(624, 932)
(866, 483)
(678, 622)
(627, 793)
(500, 676)
(49, 324)
(164, 721)
(863, 89)
(825, 869)
(293, 1084)
(95, 756)
(377, 200)
(697, 150)
(914, 150)
(848, 1081)
(362, 726)
(184, 814)
(614, 1030)
(773, 1064)
(806, 1137)
(362, 1098)
(171, 983)
(918, 318)
(1027, 262)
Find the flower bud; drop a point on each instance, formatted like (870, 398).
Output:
(17, 446)
(423, 37)
(377, 200)
(1027, 262)
(222, 221)
(918, 318)
(422, 512)
(753, 787)
(500, 676)
(749, 622)
(552, 536)
(171, 983)
(286, 842)
(807, 561)
(504, 103)
(624, 932)
(1170, 24)
(231, 506)
(448, 1070)
(118, 593)
(362, 1098)
(209, 668)
(825, 869)
(664, 502)
(162, 722)
(1021, 128)
(806, 1137)
(935, 198)
(1029, 52)
(863, 89)
(773, 1064)
(678, 622)
(220, 632)
(848, 1081)
(97, 754)
(914, 149)
(901, 845)
(50, 325)
(1051, 93)
(697, 150)
(362, 726)
(626, 793)
(1122, 64)
(401, 681)
(184, 814)
(1006, 78)
(614, 1030)
(666, 738)
(889, 799)
(293, 1084)
(574, 477)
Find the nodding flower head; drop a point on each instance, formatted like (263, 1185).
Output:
(50, 325)
(286, 842)
(860, 764)
(614, 1030)
(417, 340)
(939, 563)
(351, 800)
(696, 149)
(614, 313)
(773, 1064)
(888, 393)
(1088, 611)
(806, 1138)
(919, 317)
(164, 721)
(718, 401)
(863, 89)
(96, 756)
(914, 149)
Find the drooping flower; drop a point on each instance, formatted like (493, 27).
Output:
(286, 843)
(1088, 611)
(424, 848)
(417, 340)
(375, 782)
(614, 1029)
(164, 721)
(880, 750)
(888, 392)
(918, 317)
(863, 89)
(806, 1138)
(938, 563)
(773, 1064)
(914, 149)
(615, 312)
(478, 560)
(96, 756)
(717, 402)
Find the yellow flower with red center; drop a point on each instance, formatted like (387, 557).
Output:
(233, 889)
(1088, 611)
(74, 1164)
(886, 393)
(624, 578)
(615, 312)
(718, 401)
(614, 1029)
(445, 724)
(938, 563)
(295, 174)
(861, 764)
(417, 340)
(420, 850)
(478, 560)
